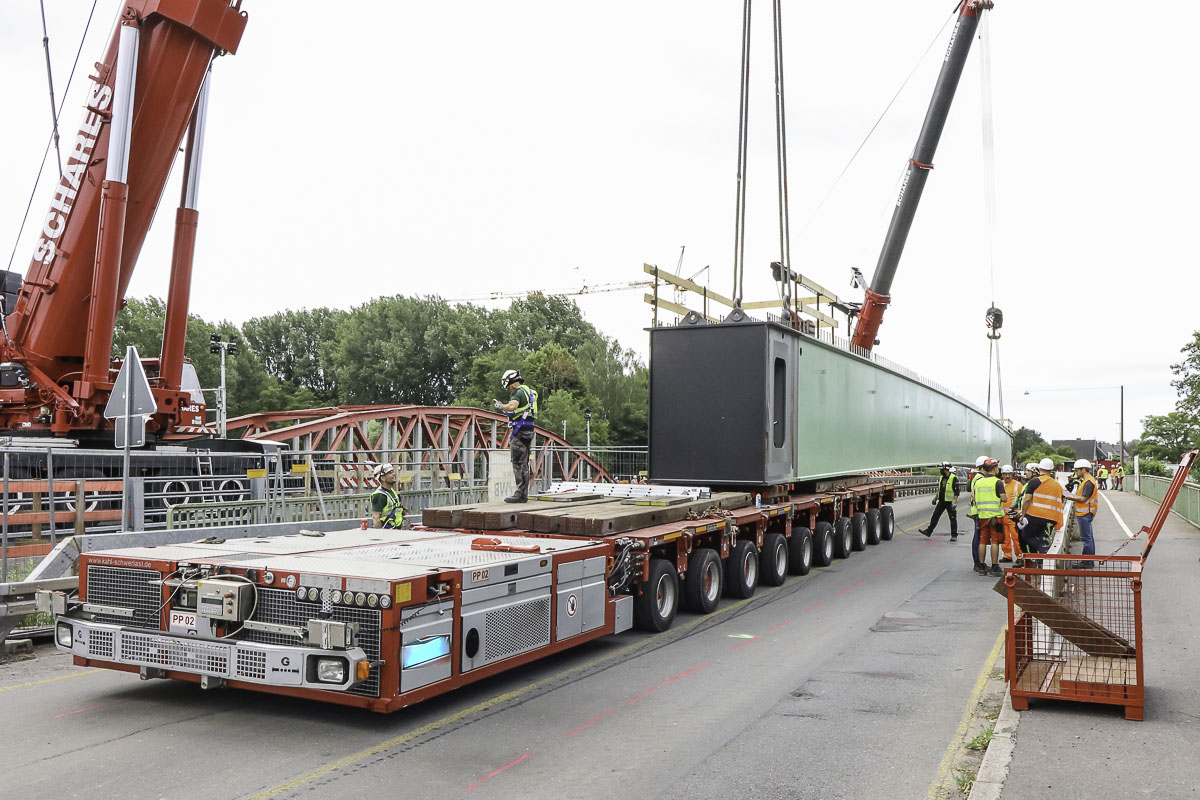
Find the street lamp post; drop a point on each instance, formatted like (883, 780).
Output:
(216, 346)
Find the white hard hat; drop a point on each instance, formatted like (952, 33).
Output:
(1082, 463)
(1046, 464)
(1031, 467)
(1006, 468)
(509, 376)
(383, 469)
(979, 461)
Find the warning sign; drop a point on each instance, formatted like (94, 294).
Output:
(572, 605)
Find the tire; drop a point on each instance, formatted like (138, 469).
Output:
(654, 609)
(843, 537)
(741, 570)
(873, 526)
(858, 524)
(773, 560)
(823, 544)
(702, 584)
(800, 551)
(887, 523)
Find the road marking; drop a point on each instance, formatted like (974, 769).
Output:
(1129, 534)
(780, 625)
(449, 719)
(496, 772)
(591, 721)
(752, 640)
(814, 608)
(50, 680)
(76, 711)
(881, 571)
(683, 674)
(942, 780)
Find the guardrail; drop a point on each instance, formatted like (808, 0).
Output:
(912, 485)
(1187, 504)
(304, 509)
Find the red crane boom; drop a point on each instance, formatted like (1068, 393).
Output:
(145, 94)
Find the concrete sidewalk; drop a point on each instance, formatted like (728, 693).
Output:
(1066, 750)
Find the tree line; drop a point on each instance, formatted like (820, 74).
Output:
(420, 351)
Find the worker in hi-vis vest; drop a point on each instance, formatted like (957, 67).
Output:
(1042, 508)
(987, 495)
(1087, 504)
(386, 510)
(521, 410)
(945, 500)
(1012, 490)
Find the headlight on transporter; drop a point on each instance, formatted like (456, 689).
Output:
(64, 634)
(328, 669)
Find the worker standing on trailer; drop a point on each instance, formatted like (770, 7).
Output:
(386, 510)
(1012, 490)
(987, 495)
(521, 410)
(945, 500)
(1042, 508)
(1087, 503)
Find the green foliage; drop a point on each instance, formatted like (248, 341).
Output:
(290, 345)
(1037, 452)
(1168, 437)
(1148, 466)
(1187, 383)
(1025, 439)
(417, 350)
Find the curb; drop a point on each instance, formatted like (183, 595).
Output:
(989, 782)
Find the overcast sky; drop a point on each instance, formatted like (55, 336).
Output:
(374, 148)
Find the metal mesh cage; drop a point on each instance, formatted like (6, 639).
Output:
(1075, 632)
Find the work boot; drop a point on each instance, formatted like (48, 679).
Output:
(953, 538)
(925, 531)
(980, 569)
(516, 498)
(996, 572)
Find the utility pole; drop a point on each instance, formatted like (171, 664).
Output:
(224, 349)
(1121, 458)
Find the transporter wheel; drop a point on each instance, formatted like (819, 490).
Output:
(858, 524)
(654, 609)
(823, 544)
(843, 537)
(773, 560)
(702, 584)
(887, 523)
(741, 570)
(873, 526)
(800, 551)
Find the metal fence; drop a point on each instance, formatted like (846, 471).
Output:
(1187, 504)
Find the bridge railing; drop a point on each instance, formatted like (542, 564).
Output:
(1187, 504)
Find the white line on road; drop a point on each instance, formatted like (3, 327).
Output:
(1124, 527)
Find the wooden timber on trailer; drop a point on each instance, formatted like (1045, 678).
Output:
(586, 516)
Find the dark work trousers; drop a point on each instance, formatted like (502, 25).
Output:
(1034, 537)
(975, 542)
(951, 512)
(522, 443)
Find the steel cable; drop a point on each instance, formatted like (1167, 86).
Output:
(50, 141)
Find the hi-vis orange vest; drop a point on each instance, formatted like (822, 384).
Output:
(1092, 504)
(1011, 489)
(1046, 501)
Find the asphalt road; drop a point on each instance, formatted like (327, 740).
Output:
(850, 682)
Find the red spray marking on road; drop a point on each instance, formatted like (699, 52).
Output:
(496, 772)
